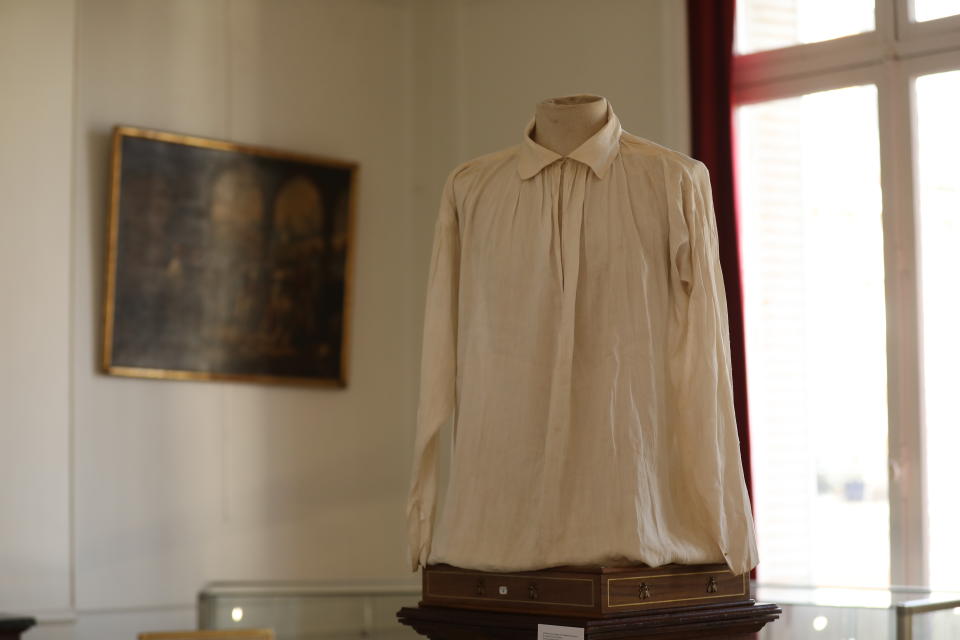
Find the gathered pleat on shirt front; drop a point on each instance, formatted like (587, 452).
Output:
(575, 337)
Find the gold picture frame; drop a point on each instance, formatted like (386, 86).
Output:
(227, 261)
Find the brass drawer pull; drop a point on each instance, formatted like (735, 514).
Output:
(712, 586)
(643, 592)
(534, 594)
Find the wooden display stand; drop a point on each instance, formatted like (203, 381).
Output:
(608, 603)
(11, 627)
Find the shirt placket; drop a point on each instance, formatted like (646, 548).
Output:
(563, 165)
(569, 219)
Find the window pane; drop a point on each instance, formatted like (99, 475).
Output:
(812, 255)
(938, 139)
(933, 9)
(772, 24)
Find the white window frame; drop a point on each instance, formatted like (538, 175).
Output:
(890, 57)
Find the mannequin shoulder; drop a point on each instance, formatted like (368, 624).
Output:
(483, 166)
(636, 148)
(490, 160)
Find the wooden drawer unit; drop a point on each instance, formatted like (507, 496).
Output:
(535, 590)
(655, 590)
(584, 591)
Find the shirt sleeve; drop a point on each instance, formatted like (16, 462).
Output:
(702, 379)
(437, 373)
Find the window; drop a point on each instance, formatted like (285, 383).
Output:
(932, 9)
(849, 203)
(807, 218)
(938, 181)
(771, 24)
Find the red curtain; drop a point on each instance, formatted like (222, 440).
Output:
(710, 37)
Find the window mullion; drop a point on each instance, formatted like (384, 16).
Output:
(908, 530)
(809, 60)
(888, 16)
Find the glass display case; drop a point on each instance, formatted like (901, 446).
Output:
(861, 614)
(310, 610)
(351, 611)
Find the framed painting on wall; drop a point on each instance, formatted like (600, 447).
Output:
(227, 261)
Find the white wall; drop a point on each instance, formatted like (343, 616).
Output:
(514, 54)
(36, 111)
(178, 483)
(130, 494)
(482, 65)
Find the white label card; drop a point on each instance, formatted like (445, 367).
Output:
(554, 632)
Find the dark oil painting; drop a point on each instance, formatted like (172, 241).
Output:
(226, 261)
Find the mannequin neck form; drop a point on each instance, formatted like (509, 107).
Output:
(563, 124)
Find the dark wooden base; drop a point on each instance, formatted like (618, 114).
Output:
(12, 626)
(587, 591)
(740, 621)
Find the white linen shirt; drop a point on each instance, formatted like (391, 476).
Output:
(576, 338)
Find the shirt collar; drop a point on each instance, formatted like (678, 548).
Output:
(598, 151)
